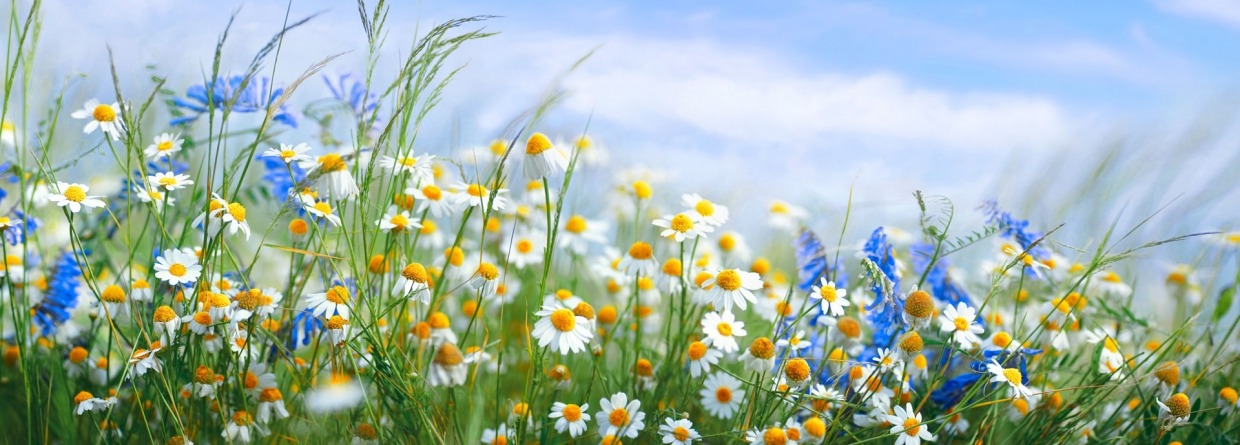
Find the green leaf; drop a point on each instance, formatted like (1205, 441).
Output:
(1225, 298)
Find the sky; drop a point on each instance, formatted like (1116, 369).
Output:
(800, 100)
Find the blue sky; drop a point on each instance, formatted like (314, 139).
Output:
(798, 100)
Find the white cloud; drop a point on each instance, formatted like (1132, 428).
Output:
(1226, 12)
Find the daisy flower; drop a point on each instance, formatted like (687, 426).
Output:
(564, 330)
(579, 233)
(527, 249)
(448, 367)
(678, 432)
(74, 196)
(775, 435)
(145, 360)
(222, 214)
(961, 322)
(497, 436)
(397, 221)
(166, 144)
(414, 282)
(1011, 376)
(682, 226)
(831, 298)
(759, 356)
(797, 343)
(1175, 411)
(722, 395)
(333, 301)
(290, 153)
(907, 423)
(169, 181)
(570, 417)
(85, 402)
(153, 197)
(419, 167)
(321, 209)
(335, 181)
(177, 267)
(431, 197)
(887, 360)
(721, 330)
(271, 400)
(262, 302)
(477, 195)
(786, 216)
(640, 260)
(731, 287)
(341, 392)
(1228, 400)
(102, 116)
(485, 280)
(706, 211)
(620, 417)
(542, 159)
(701, 358)
(114, 300)
(238, 429)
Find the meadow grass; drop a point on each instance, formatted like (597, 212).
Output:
(241, 287)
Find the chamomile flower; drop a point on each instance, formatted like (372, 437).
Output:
(678, 432)
(731, 287)
(414, 282)
(759, 356)
(570, 417)
(701, 358)
(334, 180)
(961, 322)
(477, 195)
(907, 423)
(397, 221)
(143, 360)
(417, 167)
(640, 260)
(290, 153)
(340, 392)
(562, 329)
(795, 343)
(1228, 400)
(77, 362)
(682, 226)
(448, 367)
(722, 395)
(526, 249)
(620, 417)
(722, 330)
(786, 216)
(578, 234)
(165, 145)
(432, 198)
(322, 210)
(500, 436)
(333, 301)
(270, 401)
(86, 402)
(221, 215)
(177, 267)
(114, 301)
(255, 301)
(74, 197)
(707, 212)
(542, 159)
(169, 181)
(102, 116)
(832, 299)
(485, 280)
(1174, 411)
(1011, 376)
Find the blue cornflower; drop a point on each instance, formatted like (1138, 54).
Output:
(942, 287)
(812, 262)
(61, 296)
(351, 91)
(953, 389)
(1016, 229)
(306, 327)
(276, 173)
(255, 97)
(884, 313)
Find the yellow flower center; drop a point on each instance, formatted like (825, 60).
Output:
(323, 207)
(113, 294)
(912, 426)
(1179, 405)
(1228, 394)
(537, 144)
(572, 413)
(797, 370)
(104, 113)
(723, 394)
(82, 397)
(488, 271)
(643, 368)
(728, 280)
(399, 221)
(438, 320)
(563, 319)
(642, 190)
(828, 293)
(1002, 339)
(204, 375)
(762, 348)
(774, 436)
(682, 223)
(912, 343)
(331, 163)
(75, 193)
(525, 246)
(416, 273)
(919, 304)
(1012, 375)
(680, 433)
(298, 227)
(961, 324)
(575, 224)
(367, 432)
(336, 322)
(724, 329)
(237, 211)
(618, 417)
(407, 161)
(338, 295)
(448, 355)
(78, 354)
(476, 190)
(849, 327)
(1168, 373)
(697, 350)
(432, 192)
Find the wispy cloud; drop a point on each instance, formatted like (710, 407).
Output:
(1226, 12)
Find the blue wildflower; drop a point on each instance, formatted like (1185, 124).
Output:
(953, 389)
(348, 89)
(942, 287)
(61, 296)
(1016, 229)
(305, 328)
(276, 173)
(884, 313)
(257, 95)
(812, 262)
